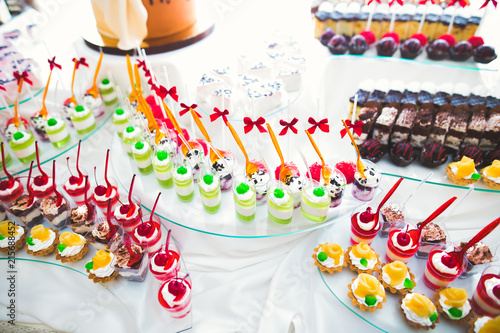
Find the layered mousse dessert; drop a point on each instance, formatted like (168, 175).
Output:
(431, 235)
(56, 210)
(131, 261)
(364, 226)
(26, 211)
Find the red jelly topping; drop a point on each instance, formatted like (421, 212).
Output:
(146, 229)
(100, 190)
(177, 288)
(41, 180)
(367, 216)
(449, 261)
(73, 180)
(496, 291)
(4, 185)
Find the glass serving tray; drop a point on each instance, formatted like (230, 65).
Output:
(429, 197)
(77, 302)
(224, 223)
(338, 89)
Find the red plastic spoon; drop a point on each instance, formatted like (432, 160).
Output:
(435, 214)
(388, 196)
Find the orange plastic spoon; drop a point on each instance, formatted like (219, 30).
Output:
(93, 90)
(284, 171)
(213, 155)
(250, 168)
(325, 173)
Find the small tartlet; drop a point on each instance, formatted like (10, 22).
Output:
(330, 270)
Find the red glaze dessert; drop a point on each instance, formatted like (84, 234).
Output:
(175, 297)
(75, 186)
(486, 299)
(348, 168)
(10, 188)
(104, 193)
(42, 185)
(403, 242)
(128, 216)
(165, 264)
(441, 268)
(148, 234)
(364, 226)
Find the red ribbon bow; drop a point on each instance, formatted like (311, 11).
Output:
(147, 72)
(141, 64)
(322, 124)
(494, 2)
(378, 1)
(288, 125)
(218, 113)
(249, 124)
(80, 61)
(163, 92)
(423, 2)
(357, 128)
(400, 2)
(187, 108)
(24, 76)
(52, 64)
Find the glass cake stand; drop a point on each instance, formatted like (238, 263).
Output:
(75, 301)
(390, 318)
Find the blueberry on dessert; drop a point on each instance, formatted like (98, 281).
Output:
(433, 155)
(386, 47)
(358, 45)
(438, 50)
(461, 51)
(472, 152)
(411, 48)
(484, 54)
(326, 36)
(372, 150)
(403, 153)
(337, 44)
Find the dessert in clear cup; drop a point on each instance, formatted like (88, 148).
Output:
(42, 185)
(336, 182)
(175, 296)
(329, 257)
(478, 256)
(12, 236)
(41, 241)
(260, 177)
(431, 235)
(102, 267)
(105, 193)
(23, 145)
(442, 268)
(367, 293)
(162, 166)
(364, 188)
(130, 135)
(120, 120)
(24, 207)
(363, 259)
(183, 180)
(129, 214)
(76, 186)
(104, 234)
(165, 264)
(131, 260)
(403, 242)
(72, 247)
(291, 177)
(82, 119)
(453, 304)
(389, 213)
(419, 310)
(210, 191)
(193, 155)
(148, 232)
(245, 198)
(365, 225)
(107, 92)
(57, 132)
(315, 201)
(10, 188)
(280, 202)
(142, 153)
(486, 299)
(82, 217)
(397, 278)
(55, 208)
(8, 158)
(223, 168)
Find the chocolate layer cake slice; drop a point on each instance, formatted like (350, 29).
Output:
(26, 212)
(393, 97)
(458, 129)
(443, 95)
(381, 89)
(460, 95)
(442, 123)
(368, 115)
(384, 124)
(365, 87)
(404, 124)
(410, 94)
(477, 98)
(426, 94)
(56, 214)
(491, 136)
(475, 130)
(431, 235)
(422, 127)
(491, 102)
(82, 219)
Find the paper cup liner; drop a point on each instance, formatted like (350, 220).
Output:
(74, 258)
(375, 268)
(363, 307)
(402, 291)
(459, 181)
(441, 311)
(414, 324)
(19, 244)
(326, 269)
(46, 251)
(104, 279)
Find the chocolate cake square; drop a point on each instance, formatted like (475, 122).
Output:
(404, 124)
(82, 219)
(367, 115)
(442, 123)
(384, 124)
(457, 130)
(491, 136)
(376, 96)
(475, 130)
(362, 97)
(422, 127)
(57, 215)
(25, 212)
(393, 96)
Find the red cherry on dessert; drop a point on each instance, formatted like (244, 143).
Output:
(124, 209)
(41, 180)
(177, 288)
(73, 180)
(449, 261)
(4, 185)
(367, 216)
(403, 238)
(496, 291)
(161, 259)
(100, 190)
(145, 229)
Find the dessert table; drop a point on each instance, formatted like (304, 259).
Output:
(242, 282)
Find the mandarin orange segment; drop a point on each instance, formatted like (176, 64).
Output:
(70, 239)
(455, 297)
(40, 232)
(333, 251)
(369, 285)
(397, 271)
(363, 250)
(465, 167)
(101, 259)
(420, 305)
(4, 229)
